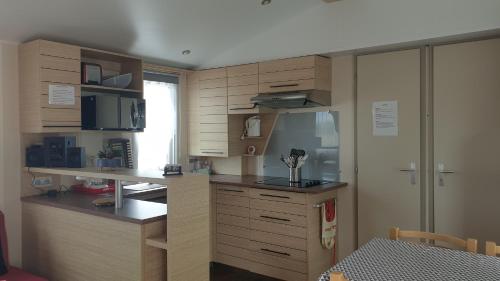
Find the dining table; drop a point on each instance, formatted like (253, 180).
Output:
(390, 260)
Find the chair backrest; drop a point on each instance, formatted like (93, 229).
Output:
(492, 249)
(3, 239)
(469, 245)
(337, 276)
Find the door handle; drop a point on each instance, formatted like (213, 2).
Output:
(442, 171)
(412, 172)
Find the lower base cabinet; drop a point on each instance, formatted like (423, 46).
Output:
(273, 233)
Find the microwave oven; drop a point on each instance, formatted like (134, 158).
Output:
(113, 112)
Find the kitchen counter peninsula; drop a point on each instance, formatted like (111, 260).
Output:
(67, 238)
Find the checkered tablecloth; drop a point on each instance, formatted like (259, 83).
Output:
(387, 260)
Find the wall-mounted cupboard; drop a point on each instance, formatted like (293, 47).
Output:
(51, 83)
(220, 101)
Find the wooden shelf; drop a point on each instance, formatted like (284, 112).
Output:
(157, 241)
(108, 89)
(254, 138)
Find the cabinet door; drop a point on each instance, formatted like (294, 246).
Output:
(466, 136)
(388, 196)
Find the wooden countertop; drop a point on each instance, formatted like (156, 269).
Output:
(151, 176)
(134, 211)
(250, 181)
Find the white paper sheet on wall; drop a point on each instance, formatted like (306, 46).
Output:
(61, 95)
(385, 118)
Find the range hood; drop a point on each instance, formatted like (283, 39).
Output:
(299, 99)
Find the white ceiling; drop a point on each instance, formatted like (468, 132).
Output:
(225, 32)
(155, 29)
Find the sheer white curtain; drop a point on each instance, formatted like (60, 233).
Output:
(157, 145)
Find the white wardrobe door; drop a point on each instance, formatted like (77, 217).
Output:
(388, 196)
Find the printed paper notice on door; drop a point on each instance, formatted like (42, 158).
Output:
(61, 95)
(385, 118)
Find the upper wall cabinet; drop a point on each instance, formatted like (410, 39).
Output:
(242, 85)
(51, 83)
(49, 67)
(211, 132)
(296, 74)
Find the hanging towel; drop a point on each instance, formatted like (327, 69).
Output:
(328, 224)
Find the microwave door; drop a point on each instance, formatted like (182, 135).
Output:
(130, 114)
(107, 109)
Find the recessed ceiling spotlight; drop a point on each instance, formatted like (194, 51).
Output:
(186, 52)
(265, 2)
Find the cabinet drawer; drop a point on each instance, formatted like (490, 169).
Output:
(211, 136)
(44, 103)
(286, 86)
(213, 83)
(287, 64)
(232, 190)
(59, 50)
(242, 70)
(60, 63)
(213, 73)
(213, 101)
(278, 239)
(61, 115)
(233, 220)
(278, 250)
(264, 258)
(233, 231)
(289, 75)
(243, 80)
(243, 90)
(278, 228)
(233, 241)
(263, 269)
(273, 206)
(215, 92)
(213, 128)
(233, 210)
(240, 100)
(59, 76)
(208, 110)
(233, 200)
(278, 217)
(281, 196)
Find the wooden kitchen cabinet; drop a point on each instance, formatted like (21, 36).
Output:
(296, 74)
(211, 132)
(243, 84)
(270, 232)
(42, 64)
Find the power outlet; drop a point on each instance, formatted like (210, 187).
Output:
(42, 181)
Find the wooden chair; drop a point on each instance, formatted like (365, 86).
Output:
(337, 276)
(492, 249)
(469, 245)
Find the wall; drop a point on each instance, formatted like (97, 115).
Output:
(358, 24)
(10, 161)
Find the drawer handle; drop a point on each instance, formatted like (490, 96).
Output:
(275, 196)
(274, 218)
(212, 152)
(230, 190)
(275, 252)
(284, 85)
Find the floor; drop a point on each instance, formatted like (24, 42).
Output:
(222, 272)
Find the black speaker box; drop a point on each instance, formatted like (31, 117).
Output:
(76, 157)
(34, 156)
(56, 150)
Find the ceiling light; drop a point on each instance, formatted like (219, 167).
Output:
(186, 52)
(265, 2)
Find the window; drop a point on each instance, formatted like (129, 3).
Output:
(157, 145)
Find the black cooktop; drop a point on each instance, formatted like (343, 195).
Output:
(286, 182)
